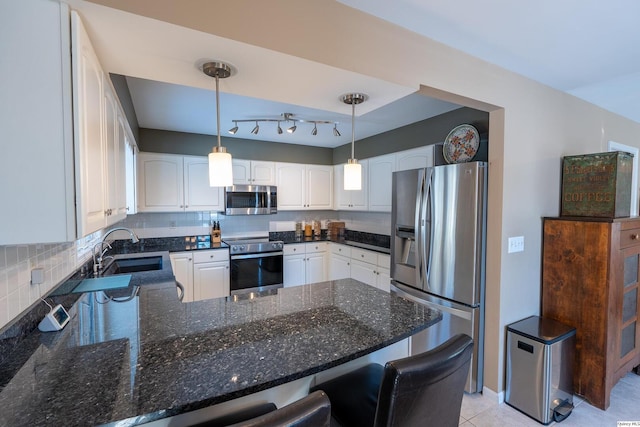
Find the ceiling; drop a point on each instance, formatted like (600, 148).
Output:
(588, 48)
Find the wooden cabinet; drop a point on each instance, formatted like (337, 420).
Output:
(590, 280)
(305, 263)
(174, 183)
(204, 274)
(351, 200)
(304, 187)
(252, 172)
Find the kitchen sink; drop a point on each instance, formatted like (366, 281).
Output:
(133, 265)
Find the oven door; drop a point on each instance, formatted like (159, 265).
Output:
(256, 272)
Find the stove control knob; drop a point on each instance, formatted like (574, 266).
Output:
(242, 247)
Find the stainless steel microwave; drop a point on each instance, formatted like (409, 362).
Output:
(250, 200)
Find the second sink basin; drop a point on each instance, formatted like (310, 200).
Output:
(134, 265)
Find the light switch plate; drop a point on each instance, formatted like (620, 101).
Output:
(516, 244)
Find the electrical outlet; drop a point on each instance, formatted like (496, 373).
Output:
(516, 244)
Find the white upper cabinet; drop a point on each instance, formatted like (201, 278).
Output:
(198, 194)
(253, 172)
(89, 102)
(36, 166)
(353, 200)
(174, 183)
(304, 187)
(415, 158)
(380, 175)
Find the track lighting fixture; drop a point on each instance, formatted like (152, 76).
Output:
(220, 169)
(286, 117)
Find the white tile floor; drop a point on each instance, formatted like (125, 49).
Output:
(482, 411)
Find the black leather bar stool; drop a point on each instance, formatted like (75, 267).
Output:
(421, 390)
(313, 410)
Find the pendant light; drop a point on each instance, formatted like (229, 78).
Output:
(220, 169)
(353, 169)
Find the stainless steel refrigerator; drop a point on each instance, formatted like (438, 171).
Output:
(438, 251)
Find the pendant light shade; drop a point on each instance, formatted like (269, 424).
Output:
(220, 169)
(353, 170)
(353, 175)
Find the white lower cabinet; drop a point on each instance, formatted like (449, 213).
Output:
(203, 274)
(305, 263)
(366, 266)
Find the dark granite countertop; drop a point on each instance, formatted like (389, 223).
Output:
(151, 356)
(374, 242)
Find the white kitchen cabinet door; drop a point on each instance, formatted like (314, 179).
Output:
(364, 272)
(339, 267)
(89, 140)
(351, 200)
(160, 183)
(316, 267)
(291, 182)
(254, 172)
(182, 265)
(121, 170)
(294, 272)
(263, 173)
(114, 142)
(383, 279)
(319, 187)
(198, 195)
(380, 177)
(210, 280)
(131, 175)
(415, 158)
(241, 171)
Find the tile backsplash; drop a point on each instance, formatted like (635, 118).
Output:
(60, 260)
(57, 261)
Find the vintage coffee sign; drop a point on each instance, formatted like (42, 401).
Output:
(597, 185)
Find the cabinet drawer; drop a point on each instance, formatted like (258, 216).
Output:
(209, 256)
(365, 256)
(297, 248)
(316, 247)
(629, 237)
(339, 249)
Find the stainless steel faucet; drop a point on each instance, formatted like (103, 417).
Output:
(97, 260)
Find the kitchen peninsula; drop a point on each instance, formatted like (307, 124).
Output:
(149, 357)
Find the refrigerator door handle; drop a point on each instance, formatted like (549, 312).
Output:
(425, 231)
(419, 226)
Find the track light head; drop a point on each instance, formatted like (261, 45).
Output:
(234, 129)
(279, 129)
(315, 130)
(256, 129)
(336, 132)
(292, 129)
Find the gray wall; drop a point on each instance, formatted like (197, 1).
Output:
(122, 91)
(160, 141)
(426, 132)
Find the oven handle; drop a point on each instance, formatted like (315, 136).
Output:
(260, 255)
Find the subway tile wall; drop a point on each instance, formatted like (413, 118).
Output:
(59, 261)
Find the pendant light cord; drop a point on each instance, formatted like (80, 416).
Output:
(353, 129)
(218, 108)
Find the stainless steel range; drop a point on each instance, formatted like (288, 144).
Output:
(256, 265)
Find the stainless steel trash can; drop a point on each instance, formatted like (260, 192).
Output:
(540, 368)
